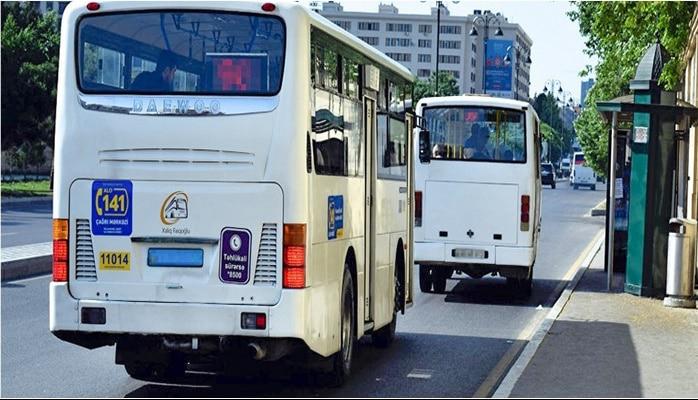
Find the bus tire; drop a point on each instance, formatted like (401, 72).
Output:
(553, 185)
(425, 280)
(342, 360)
(576, 187)
(137, 370)
(440, 275)
(593, 187)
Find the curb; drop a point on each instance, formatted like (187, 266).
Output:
(28, 199)
(512, 377)
(26, 267)
(599, 209)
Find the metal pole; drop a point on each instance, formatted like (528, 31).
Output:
(484, 63)
(438, 42)
(611, 203)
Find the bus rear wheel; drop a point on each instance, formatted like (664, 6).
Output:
(425, 279)
(440, 276)
(341, 361)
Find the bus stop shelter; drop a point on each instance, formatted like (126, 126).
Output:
(657, 125)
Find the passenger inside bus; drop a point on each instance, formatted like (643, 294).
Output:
(161, 79)
(475, 146)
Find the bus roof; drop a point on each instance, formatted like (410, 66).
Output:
(475, 100)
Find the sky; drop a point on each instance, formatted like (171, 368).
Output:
(557, 51)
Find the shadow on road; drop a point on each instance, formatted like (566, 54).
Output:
(495, 291)
(445, 364)
(583, 359)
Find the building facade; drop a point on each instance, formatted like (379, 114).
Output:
(586, 86)
(411, 40)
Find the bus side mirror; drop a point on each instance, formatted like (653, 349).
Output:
(424, 146)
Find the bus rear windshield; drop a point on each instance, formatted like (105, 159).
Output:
(477, 134)
(181, 52)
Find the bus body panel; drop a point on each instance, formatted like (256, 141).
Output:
(207, 210)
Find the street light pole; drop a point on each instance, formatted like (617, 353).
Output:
(552, 83)
(438, 41)
(518, 53)
(439, 4)
(473, 32)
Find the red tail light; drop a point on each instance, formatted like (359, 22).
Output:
(525, 212)
(60, 250)
(268, 7)
(294, 256)
(93, 6)
(417, 208)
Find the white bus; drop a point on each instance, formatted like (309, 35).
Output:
(231, 183)
(477, 182)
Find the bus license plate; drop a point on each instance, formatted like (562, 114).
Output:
(469, 253)
(114, 261)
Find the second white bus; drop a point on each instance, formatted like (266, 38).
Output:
(231, 184)
(477, 182)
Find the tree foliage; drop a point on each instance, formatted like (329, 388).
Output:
(30, 44)
(618, 33)
(448, 86)
(555, 132)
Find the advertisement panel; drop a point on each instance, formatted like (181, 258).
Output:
(497, 73)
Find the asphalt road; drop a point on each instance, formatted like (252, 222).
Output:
(26, 222)
(446, 346)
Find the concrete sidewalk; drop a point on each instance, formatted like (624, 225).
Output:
(614, 345)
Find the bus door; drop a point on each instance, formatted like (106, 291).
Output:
(369, 224)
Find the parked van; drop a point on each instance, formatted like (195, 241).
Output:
(582, 175)
(477, 183)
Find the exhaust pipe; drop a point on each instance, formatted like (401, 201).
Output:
(258, 352)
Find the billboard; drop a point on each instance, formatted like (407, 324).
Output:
(497, 73)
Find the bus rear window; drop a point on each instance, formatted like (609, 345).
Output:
(476, 134)
(181, 52)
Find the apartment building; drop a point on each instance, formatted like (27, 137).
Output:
(411, 40)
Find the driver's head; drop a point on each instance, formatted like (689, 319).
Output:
(167, 65)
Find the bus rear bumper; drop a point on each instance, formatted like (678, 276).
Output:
(430, 253)
(67, 314)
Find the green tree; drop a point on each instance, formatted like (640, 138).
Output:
(560, 138)
(427, 88)
(29, 58)
(618, 33)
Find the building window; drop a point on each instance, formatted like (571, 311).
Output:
(398, 27)
(474, 48)
(451, 29)
(424, 28)
(446, 59)
(473, 63)
(472, 90)
(372, 40)
(369, 26)
(423, 73)
(472, 77)
(346, 25)
(454, 74)
(424, 43)
(404, 57)
(424, 58)
(397, 42)
(449, 44)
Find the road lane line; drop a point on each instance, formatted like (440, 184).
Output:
(497, 374)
